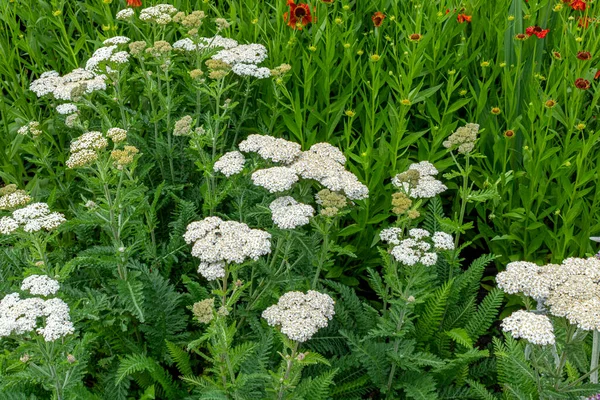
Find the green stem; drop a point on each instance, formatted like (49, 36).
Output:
(396, 346)
(322, 257)
(290, 363)
(595, 356)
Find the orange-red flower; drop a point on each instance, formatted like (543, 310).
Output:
(134, 3)
(582, 84)
(584, 55)
(537, 31)
(463, 18)
(578, 5)
(378, 18)
(299, 15)
(597, 74)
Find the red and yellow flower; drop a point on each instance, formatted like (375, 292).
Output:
(134, 3)
(378, 18)
(299, 15)
(537, 31)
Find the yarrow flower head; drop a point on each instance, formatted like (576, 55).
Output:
(84, 149)
(11, 197)
(70, 86)
(40, 285)
(301, 315)
(125, 14)
(32, 218)
(569, 289)
(203, 310)
(535, 328)
(230, 163)
(160, 14)
(19, 316)
(217, 243)
(331, 202)
(419, 247)
(323, 163)
(66, 109)
(419, 182)
(463, 140)
(289, 214)
(33, 128)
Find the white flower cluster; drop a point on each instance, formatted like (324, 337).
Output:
(252, 53)
(84, 149)
(107, 54)
(230, 163)
(205, 43)
(419, 181)
(116, 40)
(322, 162)
(534, 328)
(418, 246)
(287, 213)
(270, 148)
(40, 285)
(570, 289)
(160, 14)
(125, 14)
(19, 316)
(251, 70)
(80, 81)
(275, 179)
(14, 199)
(217, 243)
(66, 109)
(300, 315)
(32, 218)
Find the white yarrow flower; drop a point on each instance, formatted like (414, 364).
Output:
(300, 315)
(40, 285)
(289, 214)
(230, 163)
(534, 328)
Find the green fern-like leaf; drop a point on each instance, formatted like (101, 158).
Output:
(485, 315)
(434, 311)
(479, 391)
(317, 388)
(181, 358)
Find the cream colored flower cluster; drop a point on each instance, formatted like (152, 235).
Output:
(218, 243)
(418, 247)
(19, 316)
(535, 328)
(301, 315)
(463, 140)
(11, 197)
(570, 289)
(230, 163)
(323, 163)
(287, 213)
(419, 181)
(70, 86)
(32, 218)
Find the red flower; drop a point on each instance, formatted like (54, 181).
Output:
(578, 5)
(582, 84)
(597, 74)
(463, 18)
(537, 31)
(299, 15)
(584, 55)
(134, 3)
(378, 18)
